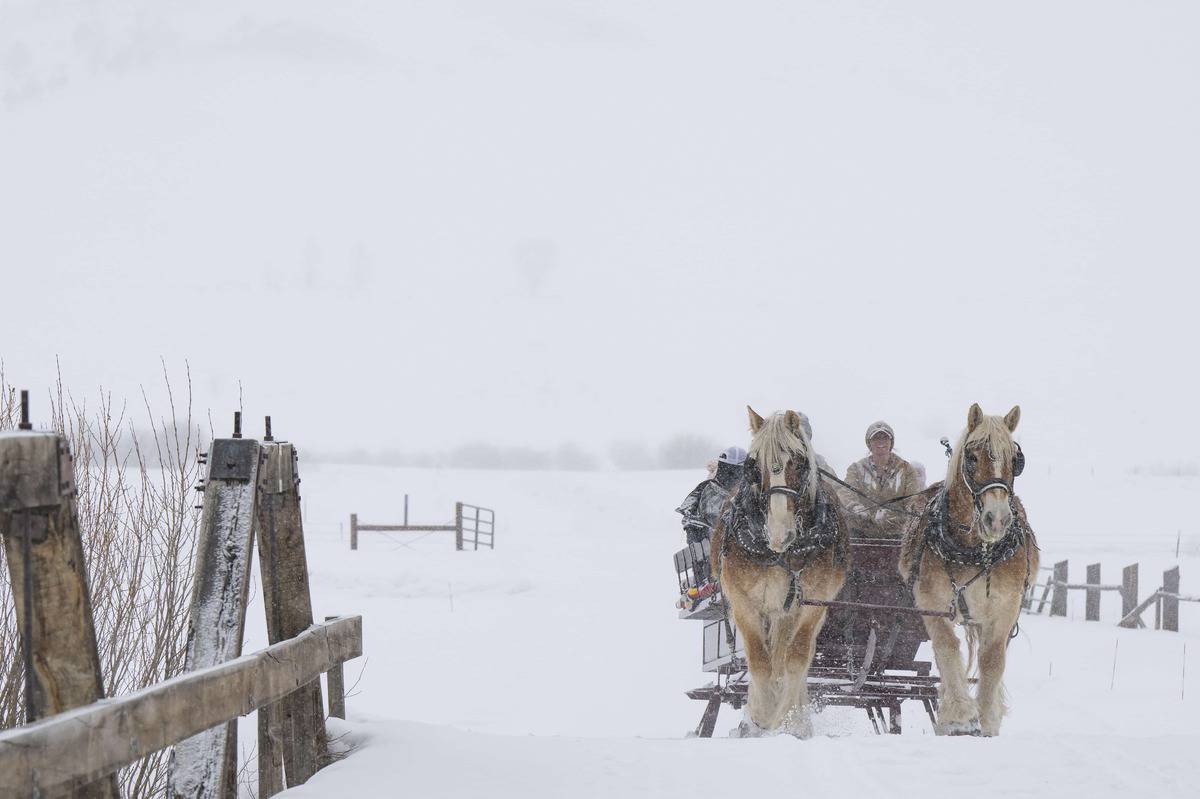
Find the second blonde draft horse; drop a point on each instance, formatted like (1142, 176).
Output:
(972, 551)
(781, 541)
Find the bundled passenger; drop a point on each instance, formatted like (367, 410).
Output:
(881, 476)
(702, 507)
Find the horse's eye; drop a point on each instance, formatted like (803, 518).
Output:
(972, 459)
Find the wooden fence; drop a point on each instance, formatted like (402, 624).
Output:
(1054, 588)
(473, 527)
(76, 740)
(72, 750)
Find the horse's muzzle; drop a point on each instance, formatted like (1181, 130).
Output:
(995, 525)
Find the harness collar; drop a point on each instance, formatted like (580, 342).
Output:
(747, 519)
(937, 536)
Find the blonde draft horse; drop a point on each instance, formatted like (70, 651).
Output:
(782, 540)
(973, 553)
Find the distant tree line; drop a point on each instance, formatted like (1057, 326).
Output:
(684, 451)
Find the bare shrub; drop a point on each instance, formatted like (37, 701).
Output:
(138, 523)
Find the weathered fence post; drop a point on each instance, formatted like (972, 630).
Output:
(270, 753)
(1092, 611)
(354, 531)
(204, 766)
(1129, 590)
(458, 526)
(40, 525)
(1058, 600)
(336, 678)
(283, 568)
(1170, 600)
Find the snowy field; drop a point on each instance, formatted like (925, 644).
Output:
(555, 665)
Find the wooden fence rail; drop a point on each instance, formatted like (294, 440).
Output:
(83, 745)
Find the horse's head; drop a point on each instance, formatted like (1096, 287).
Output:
(984, 463)
(782, 469)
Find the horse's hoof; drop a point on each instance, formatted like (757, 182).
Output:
(747, 729)
(962, 728)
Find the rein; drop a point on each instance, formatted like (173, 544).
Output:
(844, 484)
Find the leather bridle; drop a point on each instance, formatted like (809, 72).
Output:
(978, 490)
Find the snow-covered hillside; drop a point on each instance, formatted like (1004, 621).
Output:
(555, 665)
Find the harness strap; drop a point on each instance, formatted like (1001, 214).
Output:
(960, 600)
(793, 589)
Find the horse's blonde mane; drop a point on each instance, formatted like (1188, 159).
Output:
(775, 441)
(990, 429)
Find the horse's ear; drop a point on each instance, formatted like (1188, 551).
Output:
(792, 420)
(974, 417)
(756, 421)
(1012, 418)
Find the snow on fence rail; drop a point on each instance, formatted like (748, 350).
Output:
(76, 740)
(472, 525)
(1165, 598)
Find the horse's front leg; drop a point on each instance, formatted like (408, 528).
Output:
(993, 649)
(781, 631)
(799, 657)
(957, 712)
(763, 699)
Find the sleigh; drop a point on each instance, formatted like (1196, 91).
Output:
(866, 653)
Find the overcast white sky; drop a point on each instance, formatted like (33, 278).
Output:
(414, 225)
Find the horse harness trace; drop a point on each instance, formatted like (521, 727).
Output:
(747, 519)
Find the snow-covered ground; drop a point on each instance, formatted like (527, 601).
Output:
(555, 665)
